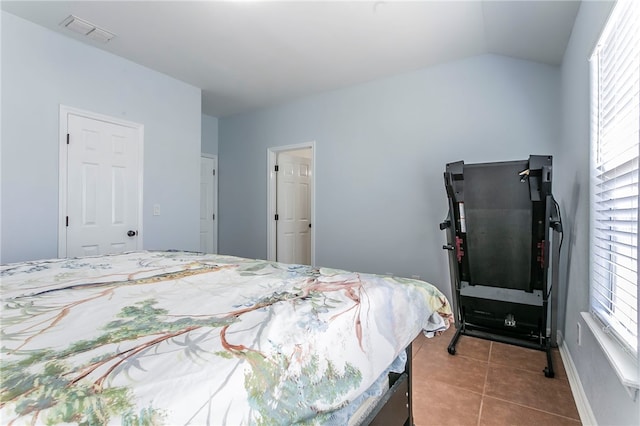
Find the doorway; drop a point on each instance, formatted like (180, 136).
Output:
(100, 178)
(291, 204)
(209, 203)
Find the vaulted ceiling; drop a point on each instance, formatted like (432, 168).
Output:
(246, 55)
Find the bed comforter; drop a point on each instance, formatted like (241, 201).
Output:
(187, 338)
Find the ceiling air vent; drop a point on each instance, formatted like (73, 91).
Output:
(87, 29)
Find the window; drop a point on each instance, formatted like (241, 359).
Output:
(615, 113)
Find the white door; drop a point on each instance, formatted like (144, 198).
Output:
(103, 187)
(293, 233)
(208, 205)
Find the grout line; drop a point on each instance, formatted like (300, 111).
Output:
(523, 372)
(530, 370)
(484, 388)
(520, 371)
(533, 408)
(484, 395)
(480, 411)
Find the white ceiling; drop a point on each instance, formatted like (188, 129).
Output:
(246, 55)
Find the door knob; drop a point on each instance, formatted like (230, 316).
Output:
(132, 233)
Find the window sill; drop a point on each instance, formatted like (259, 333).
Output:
(624, 364)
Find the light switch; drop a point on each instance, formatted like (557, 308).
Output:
(156, 209)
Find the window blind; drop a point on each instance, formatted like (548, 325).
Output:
(615, 140)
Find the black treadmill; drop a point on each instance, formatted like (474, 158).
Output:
(498, 239)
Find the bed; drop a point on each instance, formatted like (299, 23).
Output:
(189, 338)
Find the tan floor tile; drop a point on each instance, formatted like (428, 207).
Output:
(460, 371)
(519, 357)
(531, 389)
(528, 359)
(440, 404)
(497, 412)
(473, 347)
(447, 388)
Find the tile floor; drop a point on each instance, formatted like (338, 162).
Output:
(487, 383)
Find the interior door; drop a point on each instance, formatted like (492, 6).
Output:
(293, 232)
(208, 205)
(102, 187)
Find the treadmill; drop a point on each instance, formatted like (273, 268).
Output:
(501, 258)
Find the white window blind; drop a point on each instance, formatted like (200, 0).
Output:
(615, 137)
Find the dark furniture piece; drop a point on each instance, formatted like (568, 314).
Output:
(498, 239)
(395, 407)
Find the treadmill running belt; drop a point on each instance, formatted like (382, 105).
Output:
(498, 225)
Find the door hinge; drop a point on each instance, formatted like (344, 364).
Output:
(214, 216)
(67, 221)
(276, 216)
(276, 168)
(214, 172)
(67, 138)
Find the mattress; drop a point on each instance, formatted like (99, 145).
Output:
(187, 338)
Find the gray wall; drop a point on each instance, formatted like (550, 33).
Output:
(608, 399)
(209, 134)
(40, 71)
(381, 149)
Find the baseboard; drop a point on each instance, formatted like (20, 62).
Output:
(582, 403)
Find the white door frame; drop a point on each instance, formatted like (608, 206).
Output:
(272, 156)
(65, 111)
(215, 201)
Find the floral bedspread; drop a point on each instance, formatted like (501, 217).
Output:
(188, 338)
